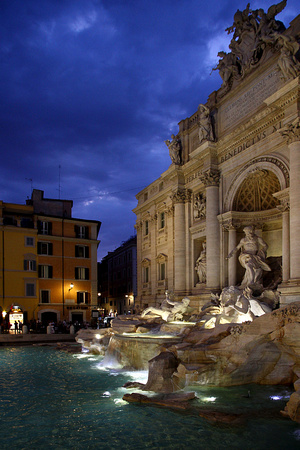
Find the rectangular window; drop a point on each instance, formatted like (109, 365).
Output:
(44, 227)
(81, 232)
(146, 274)
(162, 220)
(82, 251)
(83, 297)
(162, 271)
(45, 248)
(146, 227)
(81, 273)
(45, 271)
(45, 296)
(26, 223)
(29, 265)
(29, 241)
(30, 289)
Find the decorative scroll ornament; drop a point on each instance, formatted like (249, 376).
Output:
(291, 132)
(181, 196)
(210, 177)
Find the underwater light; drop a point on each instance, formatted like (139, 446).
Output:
(86, 355)
(106, 394)
(276, 397)
(209, 399)
(120, 401)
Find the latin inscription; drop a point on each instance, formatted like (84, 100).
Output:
(249, 142)
(251, 100)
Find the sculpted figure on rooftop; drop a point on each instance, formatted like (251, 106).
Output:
(174, 149)
(205, 125)
(250, 30)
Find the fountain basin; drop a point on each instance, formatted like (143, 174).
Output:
(133, 350)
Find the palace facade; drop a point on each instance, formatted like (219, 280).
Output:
(235, 163)
(48, 261)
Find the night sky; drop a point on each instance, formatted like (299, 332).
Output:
(90, 90)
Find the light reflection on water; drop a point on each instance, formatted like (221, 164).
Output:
(51, 399)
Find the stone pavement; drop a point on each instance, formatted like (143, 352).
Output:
(29, 339)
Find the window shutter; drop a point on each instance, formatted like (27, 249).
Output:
(50, 228)
(25, 264)
(39, 248)
(76, 274)
(87, 252)
(86, 233)
(76, 229)
(39, 226)
(40, 271)
(33, 265)
(76, 251)
(87, 274)
(50, 269)
(50, 248)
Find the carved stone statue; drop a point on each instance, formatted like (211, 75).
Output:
(201, 264)
(252, 257)
(228, 67)
(199, 206)
(205, 125)
(170, 312)
(174, 149)
(235, 306)
(253, 31)
(287, 61)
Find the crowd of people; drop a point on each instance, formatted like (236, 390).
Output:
(37, 326)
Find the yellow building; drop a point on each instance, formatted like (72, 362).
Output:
(18, 260)
(48, 261)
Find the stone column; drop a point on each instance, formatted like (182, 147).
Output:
(292, 133)
(211, 179)
(232, 262)
(179, 198)
(284, 208)
(285, 245)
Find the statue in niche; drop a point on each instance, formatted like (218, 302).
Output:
(201, 264)
(205, 126)
(253, 252)
(199, 206)
(174, 147)
(170, 310)
(235, 306)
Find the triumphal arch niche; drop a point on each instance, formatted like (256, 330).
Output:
(227, 211)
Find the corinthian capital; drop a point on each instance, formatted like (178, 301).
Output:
(182, 196)
(292, 131)
(210, 177)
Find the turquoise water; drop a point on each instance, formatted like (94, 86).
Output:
(55, 400)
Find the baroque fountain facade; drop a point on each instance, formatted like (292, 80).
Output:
(218, 243)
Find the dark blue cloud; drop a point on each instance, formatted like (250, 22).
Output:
(91, 89)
